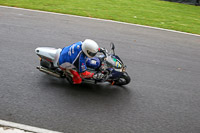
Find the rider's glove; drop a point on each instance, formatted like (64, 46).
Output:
(98, 76)
(101, 49)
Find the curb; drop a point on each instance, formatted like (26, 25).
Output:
(25, 127)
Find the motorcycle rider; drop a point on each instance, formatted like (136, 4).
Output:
(73, 58)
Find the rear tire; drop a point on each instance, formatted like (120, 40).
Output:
(70, 80)
(45, 63)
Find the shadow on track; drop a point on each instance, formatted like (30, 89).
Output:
(103, 90)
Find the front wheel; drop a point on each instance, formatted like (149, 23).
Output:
(123, 80)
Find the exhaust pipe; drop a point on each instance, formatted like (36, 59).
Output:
(42, 69)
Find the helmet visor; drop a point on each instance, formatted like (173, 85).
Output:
(91, 53)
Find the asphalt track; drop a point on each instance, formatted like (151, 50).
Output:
(163, 96)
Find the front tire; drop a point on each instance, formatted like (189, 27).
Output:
(123, 80)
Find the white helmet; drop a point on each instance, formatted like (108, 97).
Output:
(90, 48)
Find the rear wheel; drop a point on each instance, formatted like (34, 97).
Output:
(45, 63)
(123, 80)
(69, 79)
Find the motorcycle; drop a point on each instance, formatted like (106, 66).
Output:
(108, 63)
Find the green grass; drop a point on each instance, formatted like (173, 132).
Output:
(156, 13)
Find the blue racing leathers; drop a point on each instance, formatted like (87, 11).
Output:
(72, 57)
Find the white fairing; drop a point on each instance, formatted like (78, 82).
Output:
(50, 53)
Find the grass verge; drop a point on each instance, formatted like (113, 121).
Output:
(154, 13)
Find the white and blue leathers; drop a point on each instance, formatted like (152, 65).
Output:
(72, 57)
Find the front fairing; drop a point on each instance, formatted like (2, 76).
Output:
(114, 75)
(117, 57)
(114, 62)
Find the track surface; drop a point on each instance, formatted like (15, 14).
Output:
(163, 97)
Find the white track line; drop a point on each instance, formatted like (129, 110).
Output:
(100, 20)
(25, 127)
